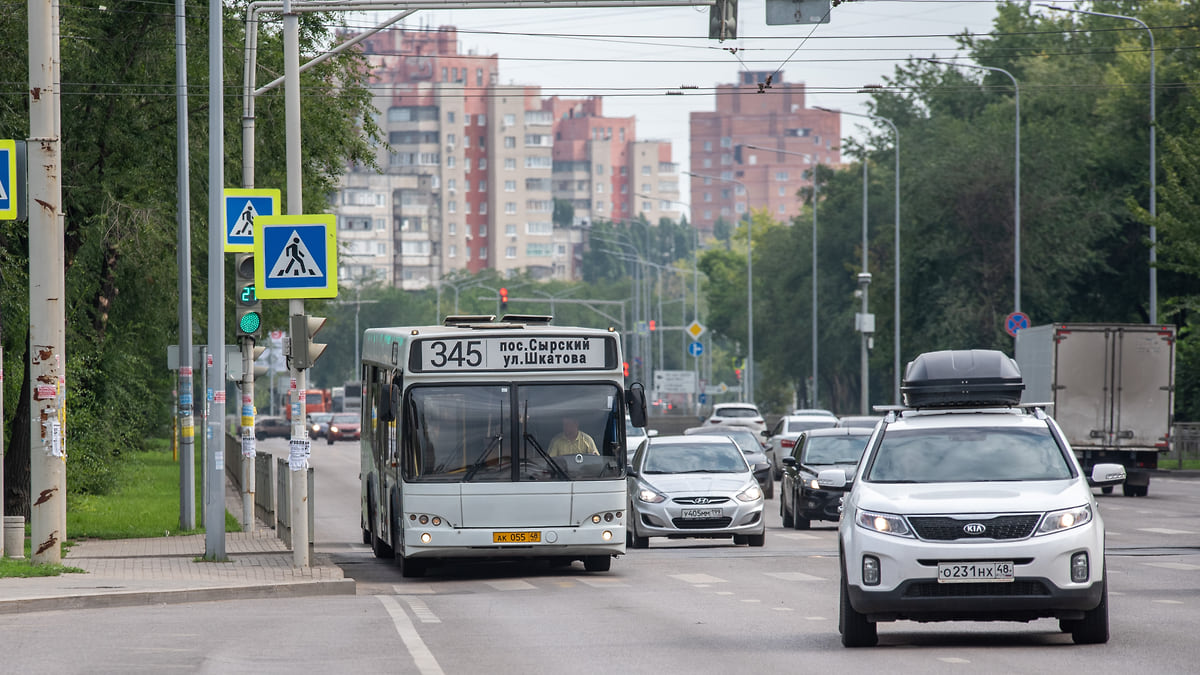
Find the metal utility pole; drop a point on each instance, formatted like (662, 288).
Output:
(47, 289)
(214, 454)
(187, 425)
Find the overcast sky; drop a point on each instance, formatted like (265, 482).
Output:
(633, 56)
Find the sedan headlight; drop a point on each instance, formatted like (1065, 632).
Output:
(650, 496)
(750, 494)
(333, 429)
(1065, 519)
(814, 484)
(886, 523)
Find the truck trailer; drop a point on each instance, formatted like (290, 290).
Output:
(1111, 387)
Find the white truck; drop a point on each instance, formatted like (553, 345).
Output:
(1112, 389)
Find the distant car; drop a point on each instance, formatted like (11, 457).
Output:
(737, 414)
(813, 411)
(801, 497)
(318, 424)
(782, 437)
(634, 437)
(748, 441)
(343, 426)
(860, 421)
(267, 426)
(693, 486)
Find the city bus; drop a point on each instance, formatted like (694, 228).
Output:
(469, 449)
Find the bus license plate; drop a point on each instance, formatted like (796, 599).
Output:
(701, 513)
(951, 573)
(516, 537)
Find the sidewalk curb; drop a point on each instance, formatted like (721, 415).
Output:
(172, 597)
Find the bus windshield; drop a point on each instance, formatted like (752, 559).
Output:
(506, 432)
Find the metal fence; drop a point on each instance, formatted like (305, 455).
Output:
(1185, 444)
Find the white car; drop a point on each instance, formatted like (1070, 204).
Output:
(739, 414)
(782, 438)
(968, 506)
(634, 437)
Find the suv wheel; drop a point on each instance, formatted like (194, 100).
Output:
(1092, 629)
(855, 629)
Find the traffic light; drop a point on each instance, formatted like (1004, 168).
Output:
(503, 299)
(722, 20)
(304, 351)
(653, 325)
(625, 368)
(737, 153)
(737, 372)
(249, 307)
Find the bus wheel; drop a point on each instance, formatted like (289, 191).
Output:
(597, 563)
(366, 536)
(410, 568)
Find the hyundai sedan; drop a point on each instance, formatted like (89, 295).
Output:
(693, 486)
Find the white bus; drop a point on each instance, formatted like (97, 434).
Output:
(469, 447)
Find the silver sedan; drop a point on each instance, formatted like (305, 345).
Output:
(693, 486)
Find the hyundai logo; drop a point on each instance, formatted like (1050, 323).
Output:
(700, 500)
(974, 528)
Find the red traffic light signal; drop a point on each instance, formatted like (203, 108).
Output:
(503, 298)
(737, 372)
(625, 368)
(652, 326)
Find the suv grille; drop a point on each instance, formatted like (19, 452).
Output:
(945, 528)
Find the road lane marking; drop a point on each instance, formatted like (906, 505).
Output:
(597, 582)
(696, 579)
(511, 585)
(1173, 566)
(414, 589)
(952, 659)
(794, 535)
(794, 576)
(420, 610)
(1169, 602)
(422, 657)
(1164, 530)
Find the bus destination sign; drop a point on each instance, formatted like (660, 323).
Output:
(516, 353)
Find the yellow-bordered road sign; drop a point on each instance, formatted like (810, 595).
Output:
(241, 209)
(295, 256)
(8, 179)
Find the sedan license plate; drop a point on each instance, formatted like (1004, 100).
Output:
(964, 572)
(701, 513)
(516, 537)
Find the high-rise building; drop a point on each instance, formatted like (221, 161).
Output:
(473, 169)
(752, 113)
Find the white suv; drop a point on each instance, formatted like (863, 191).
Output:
(968, 506)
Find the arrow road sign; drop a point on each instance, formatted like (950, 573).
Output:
(241, 208)
(696, 349)
(8, 179)
(295, 256)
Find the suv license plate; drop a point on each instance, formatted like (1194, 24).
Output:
(952, 573)
(701, 513)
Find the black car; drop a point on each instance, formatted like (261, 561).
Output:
(748, 441)
(801, 499)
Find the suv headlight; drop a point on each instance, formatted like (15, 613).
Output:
(1065, 519)
(750, 494)
(886, 523)
(650, 496)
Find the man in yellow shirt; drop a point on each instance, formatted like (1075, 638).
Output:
(572, 441)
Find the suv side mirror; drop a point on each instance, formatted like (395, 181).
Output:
(832, 479)
(1107, 474)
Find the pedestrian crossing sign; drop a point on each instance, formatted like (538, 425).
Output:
(8, 179)
(295, 256)
(241, 208)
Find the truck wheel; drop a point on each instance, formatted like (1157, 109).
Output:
(1107, 489)
(1135, 490)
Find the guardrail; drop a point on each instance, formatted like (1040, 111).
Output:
(272, 489)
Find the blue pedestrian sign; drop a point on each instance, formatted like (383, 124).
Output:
(8, 179)
(295, 256)
(241, 208)
(696, 348)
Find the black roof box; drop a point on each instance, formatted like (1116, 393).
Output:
(962, 378)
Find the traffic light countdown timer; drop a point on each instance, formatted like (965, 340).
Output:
(249, 307)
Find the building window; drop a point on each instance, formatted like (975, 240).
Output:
(415, 247)
(509, 120)
(510, 230)
(380, 249)
(782, 191)
(510, 208)
(450, 162)
(466, 141)
(510, 186)
(452, 251)
(510, 252)
(533, 250)
(708, 196)
(510, 142)
(479, 77)
(726, 142)
(510, 164)
(646, 187)
(646, 170)
(450, 140)
(483, 229)
(482, 208)
(708, 146)
(781, 175)
(481, 119)
(647, 206)
(482, 253)
(380, 223)
(599, 188)
(451, 184)
(708, 162)
(452, 228)
(482, 163)
(482, 185)
(451, 206)
(538, 228)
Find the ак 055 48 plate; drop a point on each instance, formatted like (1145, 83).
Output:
(516, 537)
(964, 572)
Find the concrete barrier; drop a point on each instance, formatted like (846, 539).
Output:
(14, 537)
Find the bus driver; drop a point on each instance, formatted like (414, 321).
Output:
(572, 441)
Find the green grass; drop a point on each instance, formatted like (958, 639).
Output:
(1188, 464)
(144, 504)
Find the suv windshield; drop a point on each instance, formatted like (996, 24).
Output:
(834, 450)
(967, 455)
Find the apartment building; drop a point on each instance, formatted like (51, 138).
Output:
(772, 116)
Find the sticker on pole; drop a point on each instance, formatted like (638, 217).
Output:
(242, 207)
(295, 256)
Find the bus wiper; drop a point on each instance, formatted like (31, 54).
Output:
(482, 461)
(561, 472)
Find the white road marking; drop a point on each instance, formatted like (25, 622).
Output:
(794, 535)
(1163, 530)
(697, 578)
(421, 610)
(794, 576)
(511, 585)
(597, 582)
(1169, 602)
(952, 659)
(783, 609)
(422, 657)
(1173, 566)
(414, 589)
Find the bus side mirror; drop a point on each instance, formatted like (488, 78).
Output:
(635, 401)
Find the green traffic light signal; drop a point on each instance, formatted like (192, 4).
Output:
(249, 323)
(249, 307)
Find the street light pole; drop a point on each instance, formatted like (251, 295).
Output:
(1153, 163)
(749, 378)
(1017, 179)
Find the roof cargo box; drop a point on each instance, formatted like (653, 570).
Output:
(962, 378)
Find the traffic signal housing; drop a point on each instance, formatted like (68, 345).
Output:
(304, 351)
(249, 307)
(503, 299)
(722, 20)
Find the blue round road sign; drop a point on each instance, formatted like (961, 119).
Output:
(696, 348)
(1015, 322)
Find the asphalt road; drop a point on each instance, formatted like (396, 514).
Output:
(679, 606)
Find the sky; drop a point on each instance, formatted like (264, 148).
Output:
(633, 56)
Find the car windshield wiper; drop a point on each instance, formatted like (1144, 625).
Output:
(709, 471)
(482, 461)
(561, 472)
